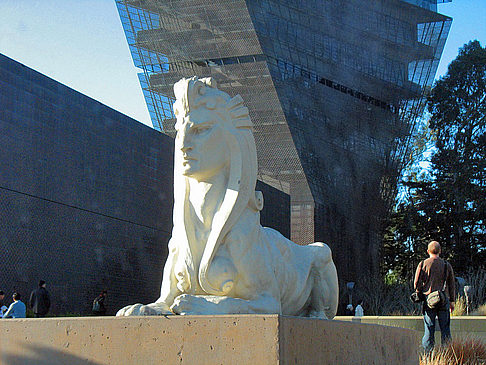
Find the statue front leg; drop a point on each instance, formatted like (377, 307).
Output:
(168, 292)
(325, 290)
(186, 304)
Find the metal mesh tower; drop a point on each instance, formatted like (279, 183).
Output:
(334, 88)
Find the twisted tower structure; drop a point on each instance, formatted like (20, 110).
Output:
(334, 88)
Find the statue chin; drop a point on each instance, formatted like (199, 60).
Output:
(188, 171)
(221, 260)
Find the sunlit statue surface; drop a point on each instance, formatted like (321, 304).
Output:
(221, 260)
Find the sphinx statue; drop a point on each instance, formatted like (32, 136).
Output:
(221, 260)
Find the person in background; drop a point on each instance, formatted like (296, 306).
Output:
(349, 309)
(99, 308)
(40, 300)
(358, 311)
(430, 276)
(3, 307)
(16, 309)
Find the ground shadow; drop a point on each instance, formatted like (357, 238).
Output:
(39, 355)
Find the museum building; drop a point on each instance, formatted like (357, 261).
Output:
(86, 196)
(334, 89)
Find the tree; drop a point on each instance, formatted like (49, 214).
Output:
(449, 203)
(457, 105)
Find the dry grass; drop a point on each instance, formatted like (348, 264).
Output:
(480, 311)
(468, 351)
(459, 307)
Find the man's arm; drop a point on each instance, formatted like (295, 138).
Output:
(417, 276)
(9, 311)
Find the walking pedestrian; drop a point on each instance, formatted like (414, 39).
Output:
(40, 300)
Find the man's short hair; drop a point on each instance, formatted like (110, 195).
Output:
(41, 282)
(434, 247)
(1, 292)
(16, 296)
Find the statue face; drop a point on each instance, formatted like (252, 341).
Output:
(203, 145)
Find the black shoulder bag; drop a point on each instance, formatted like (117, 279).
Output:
(437, 298)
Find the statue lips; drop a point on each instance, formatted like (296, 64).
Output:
(186, 159)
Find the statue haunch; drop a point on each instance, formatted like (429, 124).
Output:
(221, 260)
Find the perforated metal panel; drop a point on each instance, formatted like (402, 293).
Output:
(333, 87)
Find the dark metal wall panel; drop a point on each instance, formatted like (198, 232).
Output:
(86, 196)
(83, 195)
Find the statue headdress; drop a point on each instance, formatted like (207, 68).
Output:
(194, 93)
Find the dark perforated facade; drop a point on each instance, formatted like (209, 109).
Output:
(333, 86)
(86, 196)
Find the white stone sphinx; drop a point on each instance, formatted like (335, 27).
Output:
(221, 260)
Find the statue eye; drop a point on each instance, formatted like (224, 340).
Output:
(201, 129)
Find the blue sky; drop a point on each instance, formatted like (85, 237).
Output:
(81, 43)
(469, 22)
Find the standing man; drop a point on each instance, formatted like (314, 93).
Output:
(16, 309)
(40, 300)
(430, 276)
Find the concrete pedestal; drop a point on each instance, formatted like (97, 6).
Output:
(235, 339)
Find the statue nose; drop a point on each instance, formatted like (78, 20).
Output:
(186, 143)
(185, 147)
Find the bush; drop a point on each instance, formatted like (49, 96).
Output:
(391, 296)
(481, 311)
(465, 351)
(477, 281)
(386, 298)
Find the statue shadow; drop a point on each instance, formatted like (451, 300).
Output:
(39, 355)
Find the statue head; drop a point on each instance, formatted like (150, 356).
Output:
(207, 121)
(214, 137)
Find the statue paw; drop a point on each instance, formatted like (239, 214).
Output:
(317, 314)
(182, 304)
(190, 304)
(153, 309)
(129, 310)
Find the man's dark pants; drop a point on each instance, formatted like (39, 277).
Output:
(442, 313)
